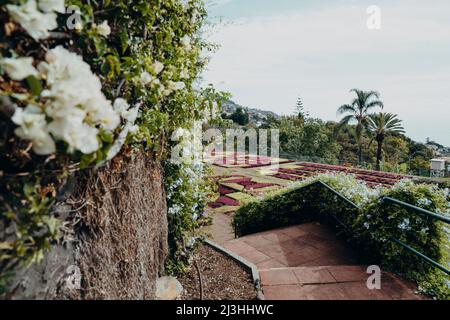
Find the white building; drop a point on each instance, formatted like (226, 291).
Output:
(438, 167)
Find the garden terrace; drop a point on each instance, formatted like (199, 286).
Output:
(266, 202)
(302, 170)
(242, 177)
(239, 160)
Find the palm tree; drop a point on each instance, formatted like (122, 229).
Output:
(380, 124)
(359, 111)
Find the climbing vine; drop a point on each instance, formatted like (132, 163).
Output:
(78, 80)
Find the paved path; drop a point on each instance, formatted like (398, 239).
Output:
(308, 261)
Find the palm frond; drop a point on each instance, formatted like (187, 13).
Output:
(346, 108)
(374, 104)
(346, 120)
(372, 94)
(342, 124)
(382, 123)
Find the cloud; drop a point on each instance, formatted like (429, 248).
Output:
(323, 52)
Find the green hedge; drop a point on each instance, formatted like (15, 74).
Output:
(367, 227)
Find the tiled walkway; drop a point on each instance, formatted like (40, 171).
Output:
(308, 261)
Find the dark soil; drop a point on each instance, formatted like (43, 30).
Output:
(222, 277)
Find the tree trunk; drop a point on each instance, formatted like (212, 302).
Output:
(360, 155)
(359, 142)
(379, 152)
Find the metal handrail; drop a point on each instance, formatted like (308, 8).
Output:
(337, 193)
(419, 210)
(421, 255)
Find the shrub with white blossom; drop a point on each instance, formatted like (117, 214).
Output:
(70, 108)
(188, 189)
(75, 89)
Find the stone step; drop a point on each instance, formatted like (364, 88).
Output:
(347, 282)
(309, 261)
(314, 275)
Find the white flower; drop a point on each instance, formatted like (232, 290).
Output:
(191, 241)
(175, 209)
(101, 112)
(186, 42)
(79, 136)
(35, 22)
(164, 91)
(156, 82)
(18, 69)
(33, 127)
(130, 115)
(404, 225)
(76, 104)
(52, 5)
(174, 86)
(184, 74)
(446, 192)
(134, 129)
(146, 78)
(123, 108)
(424, 202)
(103, 29)
(157, 67)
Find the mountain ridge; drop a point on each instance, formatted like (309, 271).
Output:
(255, 114)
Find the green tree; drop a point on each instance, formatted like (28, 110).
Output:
(300, 109)
(358, 110)
(419, 165)
(381, 124)
(270, 122)
(396, 149)
(240, 116)
(310, 140)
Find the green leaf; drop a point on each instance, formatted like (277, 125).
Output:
(35, 85)
(106, 137)
(28, 189)
(123, 41)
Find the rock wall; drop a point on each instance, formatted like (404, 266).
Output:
(115, 241)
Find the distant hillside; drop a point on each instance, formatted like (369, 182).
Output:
(255, 115)
(437, 148)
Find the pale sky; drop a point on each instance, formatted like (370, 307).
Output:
(272, 51)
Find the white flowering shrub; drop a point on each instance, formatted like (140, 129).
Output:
(426, 235)
(75, 88)
(71, 108)
(347, 184)
(188, 189)
(37, 17)
(369, 222)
